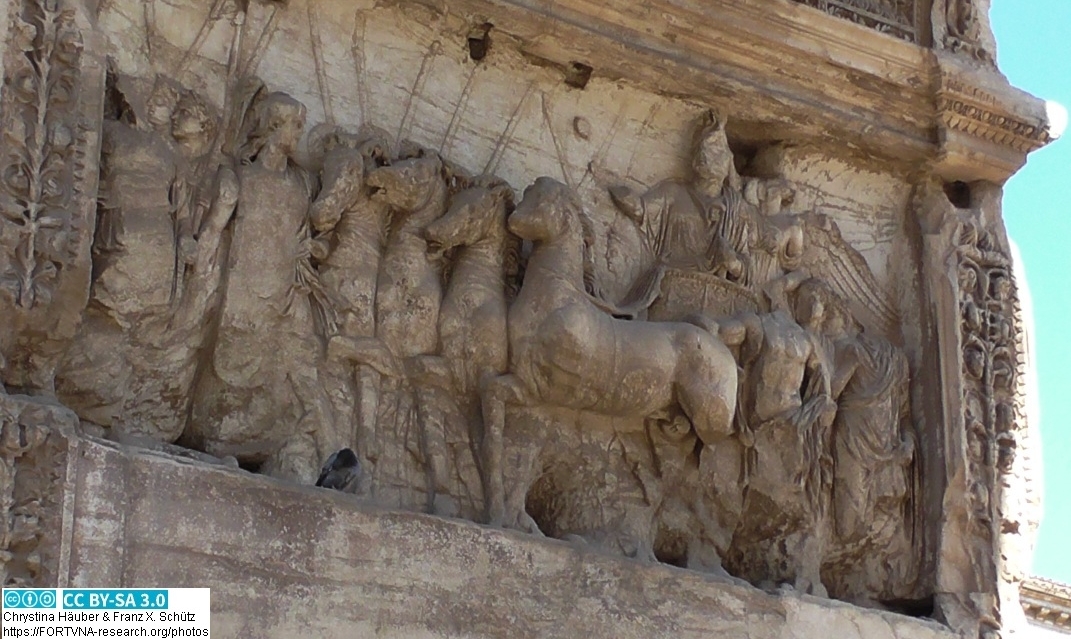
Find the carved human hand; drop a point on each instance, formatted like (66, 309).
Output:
(319, 247)
(187, 248)
(323, 215)
(227, 194)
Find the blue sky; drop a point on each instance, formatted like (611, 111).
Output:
(1034, 52)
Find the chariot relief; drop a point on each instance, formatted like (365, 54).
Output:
(700, 358)
(457, 334)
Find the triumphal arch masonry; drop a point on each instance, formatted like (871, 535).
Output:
(676, 318)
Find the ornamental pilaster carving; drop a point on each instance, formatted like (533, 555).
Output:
(50, 120)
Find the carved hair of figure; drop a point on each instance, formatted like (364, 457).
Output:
(192, 124)
(277, 119)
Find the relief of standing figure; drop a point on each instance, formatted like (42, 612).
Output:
(132, 366)
(259, 397)
(351, 233)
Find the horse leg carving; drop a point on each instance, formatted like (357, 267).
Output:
(709, 401)
(373, 362)
(496, 392)
(368, 411)
(431, 380)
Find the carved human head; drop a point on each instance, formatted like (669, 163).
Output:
(818, 308)
(280, 122)
(192, 124)
(161, 102)
(713, 161)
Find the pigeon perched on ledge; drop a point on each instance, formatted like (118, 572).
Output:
(341, 471)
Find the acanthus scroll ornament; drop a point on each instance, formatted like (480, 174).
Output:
(43, 157)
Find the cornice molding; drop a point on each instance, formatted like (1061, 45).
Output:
(785, 70)
(964, 111)
(1047, 602)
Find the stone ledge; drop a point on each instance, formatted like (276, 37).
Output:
(1047, 602)
(804, 75)
(291, 561)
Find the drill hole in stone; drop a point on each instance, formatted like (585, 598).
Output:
(480, 41)
(578, 74)
(959, 194)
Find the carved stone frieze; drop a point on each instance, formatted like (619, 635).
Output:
(894, 17)
(676, 313)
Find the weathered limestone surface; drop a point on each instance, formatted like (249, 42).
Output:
(720, 284)
(289, 561)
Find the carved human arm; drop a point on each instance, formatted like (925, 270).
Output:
(778, 289)
(223, 206)
(819, 376)
(846, 362)
(628, 202)
(205, 277)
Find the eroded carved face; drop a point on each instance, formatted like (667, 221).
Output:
(810, 308)
(160, 106)
(283, 122)
(192, 126)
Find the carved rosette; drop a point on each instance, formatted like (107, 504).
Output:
(46, 188)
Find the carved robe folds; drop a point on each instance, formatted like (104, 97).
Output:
(252, 400)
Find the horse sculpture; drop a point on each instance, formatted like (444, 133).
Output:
(408, 296)
(409, 288)
(565, 351)
(472, 319)
(472, 330)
